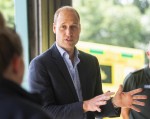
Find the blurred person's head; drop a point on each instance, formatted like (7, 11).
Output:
(2, 21)
(148, 53)
(11, 51)
(67, 28)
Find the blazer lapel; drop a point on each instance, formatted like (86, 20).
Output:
(83, 82)
(63, 69)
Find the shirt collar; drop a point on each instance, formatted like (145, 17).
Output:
(62, 51)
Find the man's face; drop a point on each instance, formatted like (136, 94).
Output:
(19, 68)
(67, 29)
(22, 68)
(16, 69)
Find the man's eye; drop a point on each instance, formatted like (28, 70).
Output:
(74, 27)
(63, 27)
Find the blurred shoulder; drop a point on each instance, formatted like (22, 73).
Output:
(19, 108)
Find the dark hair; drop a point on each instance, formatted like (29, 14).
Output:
(10, 45)
(2, 21)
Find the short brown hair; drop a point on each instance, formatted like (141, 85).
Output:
(10, 45)
(64, 8)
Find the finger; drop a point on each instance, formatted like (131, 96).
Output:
(135, 91)
(135, 108)
(105, 98)
(108, 93)
(99, 103)
(119, 90)
(101, 97)
(138, 103)
(98, 109)
(139, 97)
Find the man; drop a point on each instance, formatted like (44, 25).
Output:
(69, 80)
(15, 103)
(138, 79)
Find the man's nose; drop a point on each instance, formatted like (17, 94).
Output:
(68, 32)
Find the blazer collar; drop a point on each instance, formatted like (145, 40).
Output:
(63, 69)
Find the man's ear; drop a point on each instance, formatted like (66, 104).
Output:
(15, 64)
(54, 27)
(80, 27)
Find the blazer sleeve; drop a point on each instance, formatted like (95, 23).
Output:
(40, 82)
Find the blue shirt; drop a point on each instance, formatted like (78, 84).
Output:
(72, 68)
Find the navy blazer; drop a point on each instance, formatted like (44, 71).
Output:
(49, 76)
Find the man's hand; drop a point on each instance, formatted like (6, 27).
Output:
(127, 99)
(95, 103)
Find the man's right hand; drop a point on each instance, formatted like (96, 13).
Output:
(95, 103)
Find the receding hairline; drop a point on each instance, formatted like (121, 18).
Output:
(63, 9)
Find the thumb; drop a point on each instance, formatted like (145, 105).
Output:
(120, 89)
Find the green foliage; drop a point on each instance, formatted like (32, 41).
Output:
(120, 26)
(142, 5)
(7, 9)
(105, 22)
(146, 26)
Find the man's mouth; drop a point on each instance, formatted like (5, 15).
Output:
(68, 39)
